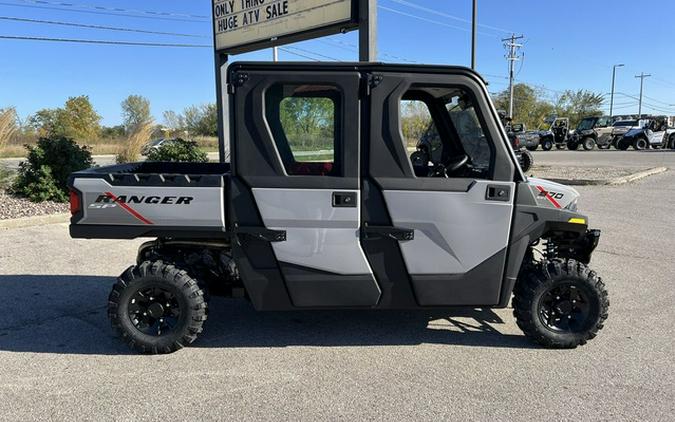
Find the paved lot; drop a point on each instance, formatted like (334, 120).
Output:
(59, 361)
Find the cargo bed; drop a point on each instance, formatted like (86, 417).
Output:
(149, 199)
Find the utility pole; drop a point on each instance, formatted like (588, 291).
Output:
(611, 103)
(512, 57)
(275, 54)
(474, 24)
(368, 30)
(642, 77)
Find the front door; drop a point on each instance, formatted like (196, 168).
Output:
(297, 153)
(447, 175)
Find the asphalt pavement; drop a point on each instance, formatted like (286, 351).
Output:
(59, 360)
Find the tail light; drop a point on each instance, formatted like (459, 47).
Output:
(75, 203)
(516, 142)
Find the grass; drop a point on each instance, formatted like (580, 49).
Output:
(6, 177)
(101, 146)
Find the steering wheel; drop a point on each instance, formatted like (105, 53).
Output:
(456, 163)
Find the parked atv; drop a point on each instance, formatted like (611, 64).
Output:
(592, 132)
(652, 133)
(620, 128)
(513, 131)
(552, 133)
(363, 225)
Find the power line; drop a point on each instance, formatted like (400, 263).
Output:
(114, 9)
(106, 42)
(445, 15)
(410, 15)
(312, 52)
(150, 15)
(88, 26)
(298, 54)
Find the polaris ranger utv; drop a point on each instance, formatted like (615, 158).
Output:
(325, 206)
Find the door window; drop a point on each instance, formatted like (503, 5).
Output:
(304, 121)
(443, 133)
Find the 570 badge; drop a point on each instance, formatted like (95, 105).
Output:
(550, 196)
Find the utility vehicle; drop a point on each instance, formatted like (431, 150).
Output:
(652, 132)
(367, 225)
(553, 132)
(525, 158)
(590, 132)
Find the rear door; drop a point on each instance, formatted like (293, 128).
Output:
(461, 222)
(296, 152)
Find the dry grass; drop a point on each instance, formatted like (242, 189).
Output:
(7, 126)
(131, 150)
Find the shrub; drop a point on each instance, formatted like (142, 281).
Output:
(138, 137)
(44, 174)
(178, 150)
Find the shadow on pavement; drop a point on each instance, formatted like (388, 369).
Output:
(67, 314)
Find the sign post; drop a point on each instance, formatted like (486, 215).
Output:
(241, 26)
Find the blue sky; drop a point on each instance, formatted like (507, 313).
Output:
(569, 45)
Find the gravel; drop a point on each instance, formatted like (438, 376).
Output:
(585, 173)
(14, 207)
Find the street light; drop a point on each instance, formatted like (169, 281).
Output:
(611, 103)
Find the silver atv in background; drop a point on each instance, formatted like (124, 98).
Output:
(651, 132)
(327, 205)
(591, 132)
(553, 132)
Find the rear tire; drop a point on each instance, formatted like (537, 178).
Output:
(526, 161)
(157, 308)
(572, 146)
(671, 140)
(560, 303)
(532, 148)
(588, 144)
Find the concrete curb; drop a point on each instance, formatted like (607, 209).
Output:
(611, 182)
(40, 220)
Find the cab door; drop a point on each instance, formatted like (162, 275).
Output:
(445, 174)
(296, 159)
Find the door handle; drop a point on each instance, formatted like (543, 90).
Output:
(397, 233)
(498, 193)
(344, 199)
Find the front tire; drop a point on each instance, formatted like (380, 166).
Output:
(588, 144)
(547, 145)
(526, 160)
(641, 144)
(572, 146)
(157, 308)
(560, 303)
(672, 141)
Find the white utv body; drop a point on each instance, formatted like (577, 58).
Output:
(329, 204)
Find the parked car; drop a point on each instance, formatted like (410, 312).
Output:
(554, 131)
(592, 132)
(155, 144)
(651, 133)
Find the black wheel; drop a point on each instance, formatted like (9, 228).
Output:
(588, 144)
(559, 146)
(532, 148)
(671, 141)
(526, 161)
(560, 303)
(157, 308)
(622, 145)
(547, 145)
(641, 144)
(573, 146)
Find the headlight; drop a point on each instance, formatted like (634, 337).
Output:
(573, 205)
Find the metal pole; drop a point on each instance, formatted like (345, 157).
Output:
(642, 77)
(474, 24)
(511, 66)
(222, 106)
(368, 30)
(611, 102)
(275, 54)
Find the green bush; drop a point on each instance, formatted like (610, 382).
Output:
(44, 174)
(178, 150)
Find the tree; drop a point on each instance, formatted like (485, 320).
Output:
(529, 106)
(136, 112)
(201, 120)
(80, 120)
(76, 120)
(579, 104)
(174, 121)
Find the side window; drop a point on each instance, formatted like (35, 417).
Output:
(443, 133)
(603, 122)
(305, 124)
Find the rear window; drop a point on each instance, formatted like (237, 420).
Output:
(305, 121)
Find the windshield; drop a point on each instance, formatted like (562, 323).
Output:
(586, 124)
(626, 123)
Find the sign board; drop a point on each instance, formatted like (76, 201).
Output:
(247, 25)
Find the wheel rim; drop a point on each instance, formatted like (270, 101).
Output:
(154, 311)
(641, 144)
(565, 309)
(588, 144)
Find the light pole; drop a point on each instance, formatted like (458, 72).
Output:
(474, 24)
(611, 103)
